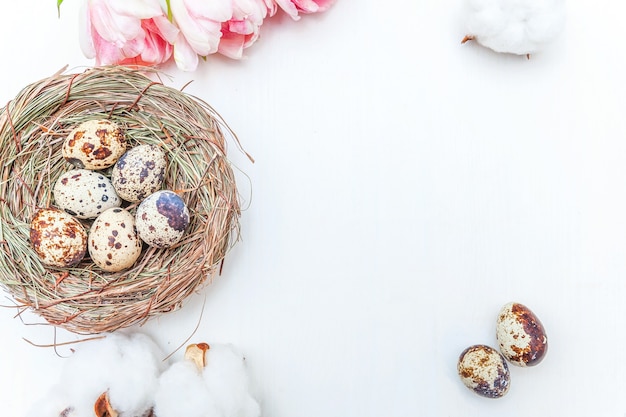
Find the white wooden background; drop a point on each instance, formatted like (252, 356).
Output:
(405, 187)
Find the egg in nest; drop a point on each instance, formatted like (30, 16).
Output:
(162, 218)
(139, 172)
(57, 237)
(113, 241)
(94, 144)
(85, 194)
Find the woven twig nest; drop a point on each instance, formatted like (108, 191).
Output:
(84, 299)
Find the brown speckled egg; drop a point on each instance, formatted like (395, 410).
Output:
(94, 144)
(139, 172)
(483, 370)
(521, 336)
(162, 219)
(113, 241)
(84, 194)
(57, 238)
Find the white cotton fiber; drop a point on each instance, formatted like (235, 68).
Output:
(127, 367)
(55, 403)
(182, 392)
(514, 26)
(226, 378)
(140, 364)
(220, 390)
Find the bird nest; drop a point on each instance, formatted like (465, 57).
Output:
(83, 298)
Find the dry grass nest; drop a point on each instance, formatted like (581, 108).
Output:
(33, 126)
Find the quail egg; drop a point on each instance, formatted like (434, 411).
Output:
(139, 172)
(94, 144)
(57, 238)
(113, 242)
(162, 219)
(84, 194)
(521, 336)
(483, 370)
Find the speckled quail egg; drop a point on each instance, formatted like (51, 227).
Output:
(94, 144)
(139, 172)
(162, 219)
(57, 238)
(113, 241)
(483, 370)
(84, 194)
(521, 336)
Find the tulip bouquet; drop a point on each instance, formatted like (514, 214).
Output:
(151, 32)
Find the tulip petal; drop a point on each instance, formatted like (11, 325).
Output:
(107, 52)
(166, 28)
(141, 9)
(201, 34)
(114, 28)
(133, 47)
(220, 11)
(184, 55)
(253, 10)
(271, 6)
(85, 39)
(289, 8)
(231, 45)
(322, 5)
(155, 49)
(306, 6)
(242, 27)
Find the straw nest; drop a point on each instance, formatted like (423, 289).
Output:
(84, 299)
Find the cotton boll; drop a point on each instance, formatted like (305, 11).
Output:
(220, 389)
(182, 392)
(75, 392)
(125, 366)
(140, 366)
(226, 378)
(519, 27)
(53, 405)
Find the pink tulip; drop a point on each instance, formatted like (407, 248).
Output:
(126, 31)
(293, 7)
(138, 32)
(242, 30)
(200, 23)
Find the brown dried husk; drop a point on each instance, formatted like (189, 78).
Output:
(33, 126)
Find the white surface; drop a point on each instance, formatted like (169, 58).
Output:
(405, 188)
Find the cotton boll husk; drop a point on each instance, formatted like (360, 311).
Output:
(126, 366)
(181, 392)
(226, 378)
(515, 26)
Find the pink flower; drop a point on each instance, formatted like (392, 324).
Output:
(293, 7)
(138, 32)
(126, 31)
(242, 30)
(200, 23)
